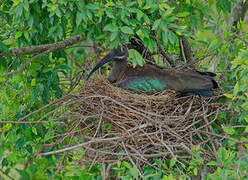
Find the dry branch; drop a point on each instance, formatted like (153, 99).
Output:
(166, 55)
(52, 47)
(238, 13)
(42, 48)
(107, 123)
(185, 49)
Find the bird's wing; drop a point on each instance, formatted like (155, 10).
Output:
(142, 84)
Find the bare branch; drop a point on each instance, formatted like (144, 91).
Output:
(166, 55)
(42, 48)
(137, 44)
(185, 50)
(238, 13)
(45, 48)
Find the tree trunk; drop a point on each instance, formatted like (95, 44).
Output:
(238, 13)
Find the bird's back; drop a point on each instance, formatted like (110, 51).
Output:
(151, 79)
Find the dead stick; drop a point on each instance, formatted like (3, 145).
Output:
(43, 47)
(224, 137)
(55, 47)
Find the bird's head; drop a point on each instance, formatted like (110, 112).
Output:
(116, 54)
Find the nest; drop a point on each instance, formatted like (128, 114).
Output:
(104, 123)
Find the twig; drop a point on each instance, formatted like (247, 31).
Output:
(224, 137)
(131, 160)
(44, 107)
(166, 55)
(79, 145)
(6, 175)
(33, 122)
(43, 48)
(54, 47)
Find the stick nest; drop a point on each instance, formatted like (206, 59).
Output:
(105, 123)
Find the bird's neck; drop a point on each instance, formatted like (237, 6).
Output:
(120, 64)
(116, 70)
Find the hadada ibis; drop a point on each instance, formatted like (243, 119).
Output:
(151, 79)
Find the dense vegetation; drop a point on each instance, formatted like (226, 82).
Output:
(215, 31)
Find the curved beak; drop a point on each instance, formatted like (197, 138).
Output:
(103, 61)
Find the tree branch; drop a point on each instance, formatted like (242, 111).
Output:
(238, 13)
(166, 55)
(185, 49)
(42, 48)
(45, 48)
(137, 44)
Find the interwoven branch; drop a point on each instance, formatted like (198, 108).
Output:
(41, 48)
(106, 123)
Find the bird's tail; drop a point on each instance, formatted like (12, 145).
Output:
(210, 76)
(204, 92)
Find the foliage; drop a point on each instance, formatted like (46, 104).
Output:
(240, 91)
(231, 165)
(109, 23)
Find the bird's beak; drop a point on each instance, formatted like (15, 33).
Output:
(103, 61)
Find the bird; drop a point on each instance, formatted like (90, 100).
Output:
(151, 78)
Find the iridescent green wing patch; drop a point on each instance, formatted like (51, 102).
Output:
(145, 84)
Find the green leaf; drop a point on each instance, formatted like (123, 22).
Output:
(126, 30)
(148, 43)
(246, 128)
(114, 35)
(26, 5)
(127, 165)
(183, 14)
(164, 25)
(31, 21)
(210, 2)
(228, 130)
(52, 30)
(89, 14)
(27, 133)
(5, 162)
(136, 58)
(140, 14)
(23, 174)
(109, 13)
(245, 106)
(26, 35)
(195, 171)
(229, 95)
(146, 7)
(172, 38)
(18, 34)
(213, 163)
(111, 28)
(33, 82)
(140, 3)
(172, 162)
(146, 18)
(156, 24)
(134, 173)
(169, 12)
(4, 48)
(236, 89)
(93, 6)
(58, 12)
(79, 17)
(16, 2)
(145, 32)
(134, 62)
(140, 60)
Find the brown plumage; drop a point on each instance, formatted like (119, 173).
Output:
(151, 78)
